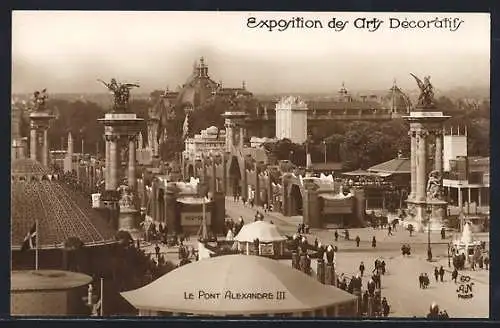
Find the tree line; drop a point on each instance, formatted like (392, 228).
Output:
(357, 144)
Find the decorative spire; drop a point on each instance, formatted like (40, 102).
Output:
(70, 143)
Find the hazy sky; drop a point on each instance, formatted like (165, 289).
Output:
(67, 51)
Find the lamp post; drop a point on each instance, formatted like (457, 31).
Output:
(428, 211)
(324, 145)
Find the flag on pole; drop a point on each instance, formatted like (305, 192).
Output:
(29, 241)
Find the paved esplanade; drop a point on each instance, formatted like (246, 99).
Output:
(400, 283)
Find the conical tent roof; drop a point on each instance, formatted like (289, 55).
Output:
(263, 231)
(233, 278)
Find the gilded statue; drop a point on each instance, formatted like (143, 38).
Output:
(121, 93)
(426, 97)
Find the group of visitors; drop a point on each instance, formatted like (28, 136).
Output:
(436, 314)
(439, 273)
(303, 229)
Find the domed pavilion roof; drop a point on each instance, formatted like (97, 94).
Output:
(263, 231)
(397, 100)
(234, 276)
(61, 213)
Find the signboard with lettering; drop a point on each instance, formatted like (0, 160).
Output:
(266, 249)
(195, 218)
(96, 200)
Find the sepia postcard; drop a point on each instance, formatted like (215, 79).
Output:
(250, 164)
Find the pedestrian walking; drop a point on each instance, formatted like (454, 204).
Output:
(441, 273)
(374, 242)
(336, 235)
(385, 307)
(358, 240)
(454, 275)
(436, 274)
(389, 231)
(362, 268)
(382, 265)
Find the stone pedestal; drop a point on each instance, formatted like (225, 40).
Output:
(420, 216)
(425, 128)
(128, 220)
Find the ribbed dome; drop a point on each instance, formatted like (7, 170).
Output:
(61, 214)
(397, 100)
(212, 130)
(27, 166)
(263, 231)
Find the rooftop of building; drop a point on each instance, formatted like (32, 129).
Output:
(236, 274)
(61, 213)
(397, 165)
(38, 280)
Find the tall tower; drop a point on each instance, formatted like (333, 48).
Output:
(39, 125)
(426, 127)
(121, 128)
(68, 160)
(235, 130)
(291, 119)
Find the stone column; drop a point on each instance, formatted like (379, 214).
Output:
(213, 178)
(45, 149)
(33, 143)
(413, 163)
(229, 125)
(257, 185)
(438, 159)
(154, 199)
(460, 199)
(113, 162)
(225, 182)
(242, 136)
(144, 200)
(270, 196)
(107, 163)
(421, 163)
(244, 180)
(165, 206)
(132, 181)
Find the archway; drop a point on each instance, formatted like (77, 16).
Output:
(295, 200)
(190, 171)
(234, 177)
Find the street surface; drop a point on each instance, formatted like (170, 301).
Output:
(400, 283)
